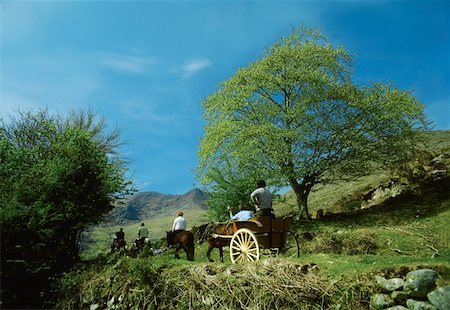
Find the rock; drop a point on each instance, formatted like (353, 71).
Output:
(394, 284)
(398, 307)
(381, 301)
(440, 297)
(420, 282)
(419, 305)
(380, 280)
(390, 284)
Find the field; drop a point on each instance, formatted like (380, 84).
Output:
(336, 267)
(99, 238)
(339, 256)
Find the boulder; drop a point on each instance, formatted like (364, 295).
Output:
(381, 301)
(394, 284)
(419, 305)
(440, 297)
(397, 307)
(420, 282)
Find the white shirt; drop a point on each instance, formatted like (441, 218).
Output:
(242, 215)
(262, 198)
(179, 224)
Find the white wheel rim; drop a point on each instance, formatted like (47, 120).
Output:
(244, 247)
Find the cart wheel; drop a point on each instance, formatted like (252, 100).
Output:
(244, 247)
(291, 246)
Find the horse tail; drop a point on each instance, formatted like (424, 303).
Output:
(190, 248)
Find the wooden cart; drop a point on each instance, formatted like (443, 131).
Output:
(249, 238)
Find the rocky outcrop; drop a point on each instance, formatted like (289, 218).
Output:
(417, 291)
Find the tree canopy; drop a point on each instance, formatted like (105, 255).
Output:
(295, 114)
(58, 176)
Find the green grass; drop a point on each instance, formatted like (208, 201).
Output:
(405, 234)
(100, 237)
(329, 196)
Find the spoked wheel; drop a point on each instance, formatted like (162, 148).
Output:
(244, 247)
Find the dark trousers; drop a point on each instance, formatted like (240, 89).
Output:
(265, 212)
(171, 236)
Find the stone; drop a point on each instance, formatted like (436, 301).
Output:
(381, 301)
(440, 297)
(419, 305)
(380, 281)
(394, 284)
(397, 307)
(420, 282)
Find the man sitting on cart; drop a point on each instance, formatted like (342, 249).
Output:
(243, 215)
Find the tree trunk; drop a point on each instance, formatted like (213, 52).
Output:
(302, 191)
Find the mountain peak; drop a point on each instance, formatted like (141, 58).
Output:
(147, 205)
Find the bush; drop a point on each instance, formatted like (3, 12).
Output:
(58, 176)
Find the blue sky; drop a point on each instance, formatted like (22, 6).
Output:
(146, 66)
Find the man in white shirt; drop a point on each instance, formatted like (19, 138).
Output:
(263, 200)
(179, 225)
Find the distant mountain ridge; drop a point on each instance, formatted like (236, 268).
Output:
(150, 205)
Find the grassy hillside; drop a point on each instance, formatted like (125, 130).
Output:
(98, 239)
(339, 255)
(339, 259)
(333, 198)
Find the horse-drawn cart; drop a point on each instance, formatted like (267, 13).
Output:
(247, 239)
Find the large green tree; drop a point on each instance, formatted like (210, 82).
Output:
(297, 113)
(57, 177)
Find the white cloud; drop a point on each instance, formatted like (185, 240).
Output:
(128, 63)
(193, 66)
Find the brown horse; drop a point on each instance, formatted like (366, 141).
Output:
(184, 240)
(206, 233)
(118, 245)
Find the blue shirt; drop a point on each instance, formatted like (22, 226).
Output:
(243, 215)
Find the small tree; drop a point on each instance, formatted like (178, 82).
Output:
(58, 176)
(231, 187)
(296, 113)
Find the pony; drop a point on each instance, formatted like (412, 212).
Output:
(143, 242)
(118, 245)
(206, 232)
(184, 240)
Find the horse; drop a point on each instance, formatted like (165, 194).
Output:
(184, 240)
(118, 245)
(205, 234)
(143, 242)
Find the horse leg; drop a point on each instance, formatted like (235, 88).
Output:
(210, 248)
(177, 248)
(221, 253)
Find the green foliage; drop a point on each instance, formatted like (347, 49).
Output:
(231, 187)
(295, 115)
(58, 176)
